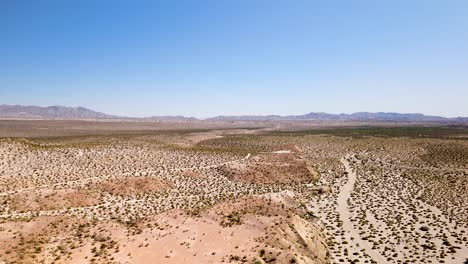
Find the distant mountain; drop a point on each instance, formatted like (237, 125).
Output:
(50, 112)
(247, 118)
(171, 118)
(360, 116)
(63, 112)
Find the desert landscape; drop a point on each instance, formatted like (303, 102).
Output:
(232, 193)
(246, 131)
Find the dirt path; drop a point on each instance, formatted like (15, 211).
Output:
(345, 216)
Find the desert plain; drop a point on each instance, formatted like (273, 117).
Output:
(232, 192)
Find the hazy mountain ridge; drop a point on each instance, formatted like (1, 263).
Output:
(51, 112)
(178, 118)
(359, 116)
(63, 112)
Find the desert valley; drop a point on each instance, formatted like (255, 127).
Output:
(232, 192)
(246, 131)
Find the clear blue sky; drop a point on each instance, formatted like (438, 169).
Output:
(210, 57)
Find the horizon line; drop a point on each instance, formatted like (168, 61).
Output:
(236, 115)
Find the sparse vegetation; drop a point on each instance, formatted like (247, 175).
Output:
(350, 195)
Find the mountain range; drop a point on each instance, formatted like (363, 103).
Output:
(50, 112)
(359, 116)
(64, 112)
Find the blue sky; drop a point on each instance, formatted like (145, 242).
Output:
(211, 57)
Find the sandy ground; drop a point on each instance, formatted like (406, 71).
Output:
(360, 223)
(357, 243)
(166, 198)
(143, 199)
(191, 240)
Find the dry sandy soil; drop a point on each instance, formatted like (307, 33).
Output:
(119, 192)
(280, 166)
